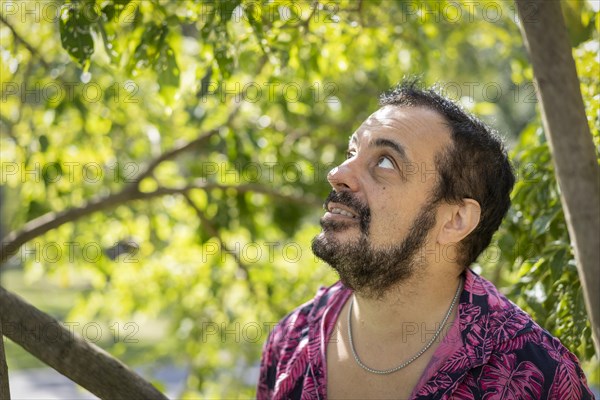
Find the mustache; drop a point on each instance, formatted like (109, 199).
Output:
(351, 201)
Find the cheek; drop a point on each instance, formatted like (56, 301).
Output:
(389, 216)
(393, 211)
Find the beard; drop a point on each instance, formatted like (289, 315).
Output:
(362, 268)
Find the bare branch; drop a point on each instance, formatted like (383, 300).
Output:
(32, 50)
(174, 152)
(182, 148)
(82, 362)
(38, 226)
(4, 386)
(9, 129)
(215, 233)
(306, 22)
(244, 188)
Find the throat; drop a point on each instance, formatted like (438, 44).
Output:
(346, 379)
(416, 336)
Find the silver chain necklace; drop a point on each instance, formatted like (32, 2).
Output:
(413, 358)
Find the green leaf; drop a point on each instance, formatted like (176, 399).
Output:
(75, 34)
(541, 224)
(558, 262)
(114, 8)
(227, 7)
(166, 68)
(224, 60)
(149, 47)
(44, 143)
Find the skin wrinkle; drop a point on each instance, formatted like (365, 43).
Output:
(388, 121)
(384, 142)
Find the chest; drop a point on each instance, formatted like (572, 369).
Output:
(347, 380)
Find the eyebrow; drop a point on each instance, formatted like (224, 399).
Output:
(398, 148)
(382, 142)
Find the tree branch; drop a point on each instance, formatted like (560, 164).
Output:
(174, 152)
(244, 188)
(38, 226)
(306, 22)
(9, 129)
(177, 150)
(571, 143)
(82, 362)
(32, 50)
(4, 386)
(213, 232)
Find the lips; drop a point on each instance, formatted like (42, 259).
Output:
(345, 210)
(338, 209)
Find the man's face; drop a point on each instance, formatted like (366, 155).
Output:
(379, 213)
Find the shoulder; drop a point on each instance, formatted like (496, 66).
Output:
(535, 363)
(522, 357)
(285, 352)
(295, 325)
(489, 321)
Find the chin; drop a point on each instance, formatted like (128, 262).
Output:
(345, 236)
(336, 226)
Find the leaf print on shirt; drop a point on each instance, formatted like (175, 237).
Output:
(501, 380)
(518, 343)
(309, 391)
(552, 346)
(506, 325)
(469, 315)
(566, 382)
(479, 339)
(457, 362)
(467, 389)
(440, 380)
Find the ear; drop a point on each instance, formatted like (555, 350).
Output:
(461, 219)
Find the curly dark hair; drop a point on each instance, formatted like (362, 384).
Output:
(474, 166)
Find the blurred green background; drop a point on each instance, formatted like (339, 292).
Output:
(196, 137)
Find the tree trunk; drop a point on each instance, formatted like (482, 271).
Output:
(82, 362)
(4, 387)
(571, 144)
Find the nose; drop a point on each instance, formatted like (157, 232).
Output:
(343, 177)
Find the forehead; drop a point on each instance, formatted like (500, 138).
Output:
(420, 131)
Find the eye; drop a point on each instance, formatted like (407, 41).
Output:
(385, 162)
(350, 154)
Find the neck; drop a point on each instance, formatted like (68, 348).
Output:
(419, 303)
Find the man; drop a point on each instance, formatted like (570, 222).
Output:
(423, 189)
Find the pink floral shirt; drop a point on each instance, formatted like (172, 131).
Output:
(493, 351)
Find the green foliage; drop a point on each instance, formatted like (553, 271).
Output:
(533, 242)
(75, 32)
(284, 85)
